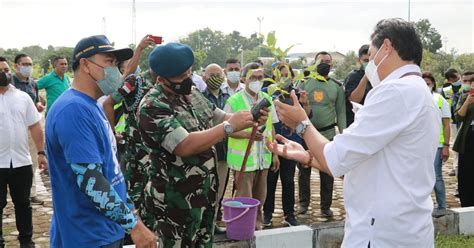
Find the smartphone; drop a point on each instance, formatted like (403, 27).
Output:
(471, 91)
(157, 39)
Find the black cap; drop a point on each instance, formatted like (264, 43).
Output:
(90, 46)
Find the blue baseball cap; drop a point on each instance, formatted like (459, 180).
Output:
(92, 45)
(171, 60)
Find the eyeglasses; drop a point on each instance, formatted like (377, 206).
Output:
(255, 78)
(26, 64)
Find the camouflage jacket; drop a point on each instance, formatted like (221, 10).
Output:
(136, 154)
(176, 184)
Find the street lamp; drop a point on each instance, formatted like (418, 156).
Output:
(260, 19)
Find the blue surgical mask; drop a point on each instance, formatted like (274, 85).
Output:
(233, 76)
(26, 71)
(457, 83)
(111, 81)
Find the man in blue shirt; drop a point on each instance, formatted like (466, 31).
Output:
(90, 202)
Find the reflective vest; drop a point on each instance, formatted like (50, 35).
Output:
(449, 94)
(237, 147)
(439, 101)
(120, 126)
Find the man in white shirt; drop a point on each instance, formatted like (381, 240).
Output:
(386, 156)
(18, 114)
(232, 72)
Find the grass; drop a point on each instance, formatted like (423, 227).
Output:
(454, 241)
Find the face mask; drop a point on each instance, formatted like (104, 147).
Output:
(26, 71)
(465, 87)
(5, 79)
(255, 86)
(457, 83)
(214, 82)
(371, 69)
(233, 76)
(183, 88)
(111, 81)
(431, 88)
(323, 69)
(364, 65)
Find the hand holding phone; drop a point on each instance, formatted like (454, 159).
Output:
(157, 39)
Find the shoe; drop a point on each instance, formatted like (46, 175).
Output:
(290, 220)
(452, 173)
(30, 244)
(267, 221)
(327, 213)
(219, 229)
(36, 201)
(303, 210)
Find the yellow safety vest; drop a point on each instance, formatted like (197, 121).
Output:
(237, 147)
(120, 126)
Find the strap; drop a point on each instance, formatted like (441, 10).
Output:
(326, 128)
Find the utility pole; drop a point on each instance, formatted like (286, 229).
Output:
(409, 6)
(445, 39)
(260, 19)
(104, 26)
(134, 24)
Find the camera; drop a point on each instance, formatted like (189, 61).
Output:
(283, 94)
(264, 103)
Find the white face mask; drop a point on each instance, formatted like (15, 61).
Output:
(233, 76)
(371, 69)
(255, 86)
(26, 71)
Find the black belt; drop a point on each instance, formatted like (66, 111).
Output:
(326, 128)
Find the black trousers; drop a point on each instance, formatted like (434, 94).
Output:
(19, 182)
(466, 172)
(287, 177)
(304, 188)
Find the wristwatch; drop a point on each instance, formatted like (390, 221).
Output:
(301, 127)
(41, 153)
(228, 128)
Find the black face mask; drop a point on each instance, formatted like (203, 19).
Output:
(5, 79)
(323, 69)
(184, 88)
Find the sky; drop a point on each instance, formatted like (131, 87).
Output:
(332, 25)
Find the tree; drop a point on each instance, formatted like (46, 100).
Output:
(343, 69)
(213, 43)
(430, 38)
(199, 57)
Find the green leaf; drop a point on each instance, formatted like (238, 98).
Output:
(271, 39)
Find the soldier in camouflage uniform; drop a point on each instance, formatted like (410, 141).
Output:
(180, 127)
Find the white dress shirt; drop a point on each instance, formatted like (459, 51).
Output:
(387, 157)
(17, 114)
(225, 88)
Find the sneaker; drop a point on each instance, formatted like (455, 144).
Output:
(36, 201)
(327, 213)
(267, 221)
(303, 210)
(290, 220)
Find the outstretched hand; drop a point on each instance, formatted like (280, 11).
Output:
(288, 149)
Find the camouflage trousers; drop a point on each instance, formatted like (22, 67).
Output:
(181, 206)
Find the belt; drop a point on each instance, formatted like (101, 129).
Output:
(326, 127)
